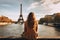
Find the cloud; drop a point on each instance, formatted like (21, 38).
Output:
(20, 1)
(40, 4)
(51, 6)
(46, 6)
(12, 2)
(41, 7)
(9, 8)
(33, 5)
(55, 1)
(55, 8)
(6, 5)
(10, 13)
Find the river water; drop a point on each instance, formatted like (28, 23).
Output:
(17, 29)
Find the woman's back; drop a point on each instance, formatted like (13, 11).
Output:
(30, 27)
(30, 33)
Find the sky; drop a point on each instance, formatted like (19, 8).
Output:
(11, 8)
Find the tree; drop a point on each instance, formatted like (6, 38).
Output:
(57, 18)
(41, 21)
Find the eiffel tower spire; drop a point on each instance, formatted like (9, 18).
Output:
(21, 20)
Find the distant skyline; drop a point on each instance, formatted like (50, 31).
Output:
(11, 8)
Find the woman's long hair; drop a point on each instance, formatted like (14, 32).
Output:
(31, 20)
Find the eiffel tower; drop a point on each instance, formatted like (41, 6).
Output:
(20, 20)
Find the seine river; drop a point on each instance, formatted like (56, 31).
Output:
(17, 29)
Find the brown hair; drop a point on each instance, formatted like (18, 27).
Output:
(31, 20)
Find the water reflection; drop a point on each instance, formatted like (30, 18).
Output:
(11, 30)
(46, 30)
(17, 30)
(57, 29)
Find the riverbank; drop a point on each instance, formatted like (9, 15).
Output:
(50, 24)
(4, 23)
